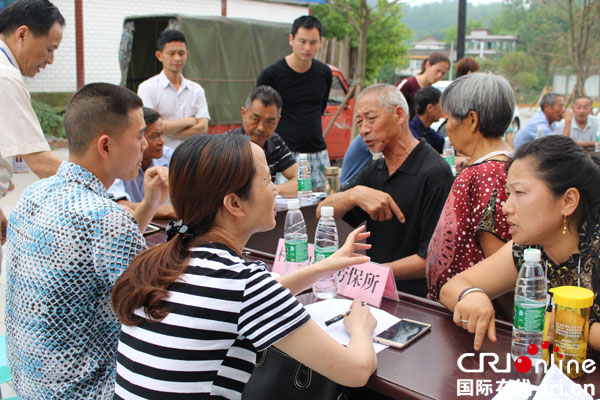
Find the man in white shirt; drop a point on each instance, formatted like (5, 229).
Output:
(584, 127)
(30, 32)
(180, 102)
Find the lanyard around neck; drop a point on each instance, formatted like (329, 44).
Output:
(7, 57)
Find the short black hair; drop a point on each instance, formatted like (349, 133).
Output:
(150, 115)
(549, 99)
(267, 95)
(98, 108)
(307, 22)
(168, 36)
(426, 96)
(38, 15)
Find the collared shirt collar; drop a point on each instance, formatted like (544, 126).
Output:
(165, 82)
(412, 163)
(10, 55)
(588, 124)
(72, 172)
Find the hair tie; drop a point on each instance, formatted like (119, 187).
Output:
(174, 228)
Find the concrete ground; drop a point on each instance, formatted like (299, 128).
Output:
(22, 180)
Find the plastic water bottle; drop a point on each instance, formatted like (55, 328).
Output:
(304, 179)
(540, 132)
(326, 243)
(597, 146)
(448, 154)
(295, 237)
(530, 307)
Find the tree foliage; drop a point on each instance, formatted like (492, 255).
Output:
(385, 39)
(435, 18)
(558, 34)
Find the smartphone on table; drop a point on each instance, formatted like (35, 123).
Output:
(402, 333)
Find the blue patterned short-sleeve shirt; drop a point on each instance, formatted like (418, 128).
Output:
(67, 245)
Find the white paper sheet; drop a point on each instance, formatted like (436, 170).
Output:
(316, 197)
(515, 390)
(557, 386)
(322, 311)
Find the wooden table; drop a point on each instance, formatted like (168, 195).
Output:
(427, 369)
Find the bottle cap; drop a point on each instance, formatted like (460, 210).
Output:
(327, 211)
(573, 296)
(293, 204)
(302, 156)
(332, 171)
(532, 255)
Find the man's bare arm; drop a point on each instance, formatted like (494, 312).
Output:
(201, 126)
(379, 205)
(342, 202)
(165, 211)
(568, 117)
(585, 143)
(43, 163)
(410, 267)
(173, 127)
(289, 188)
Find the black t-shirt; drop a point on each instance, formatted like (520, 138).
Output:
(277, 153)
(304, 98)
(419, 187)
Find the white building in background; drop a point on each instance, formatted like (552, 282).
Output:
(480, 44)
(421, 49)
(102, 23)
(563, 84)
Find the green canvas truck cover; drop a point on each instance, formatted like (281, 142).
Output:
(226, 55)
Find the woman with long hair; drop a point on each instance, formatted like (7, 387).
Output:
(195, 313)
(433, 68)
(553, 204)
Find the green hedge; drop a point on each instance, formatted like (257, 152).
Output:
(50, 119)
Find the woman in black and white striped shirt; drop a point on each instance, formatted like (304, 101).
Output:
(194, 312)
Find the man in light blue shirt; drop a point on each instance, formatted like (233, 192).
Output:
(553, 110)
(584, 127)
(131, 193)
(68, 242)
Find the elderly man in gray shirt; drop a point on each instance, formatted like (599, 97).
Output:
(584, 127)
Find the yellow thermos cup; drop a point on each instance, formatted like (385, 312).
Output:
(571, 327)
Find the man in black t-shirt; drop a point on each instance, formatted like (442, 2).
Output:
(304, 85)
(400, 195)
(259, 119)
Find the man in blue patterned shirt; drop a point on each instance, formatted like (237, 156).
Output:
(67, 245)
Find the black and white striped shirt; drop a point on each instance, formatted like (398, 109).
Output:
(223, 310)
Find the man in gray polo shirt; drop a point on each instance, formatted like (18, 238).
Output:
(584, 127)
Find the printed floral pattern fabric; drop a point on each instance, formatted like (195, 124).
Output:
(473, 205)
(67, 245)
(566, 273)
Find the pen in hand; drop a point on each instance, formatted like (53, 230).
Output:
(340, 317)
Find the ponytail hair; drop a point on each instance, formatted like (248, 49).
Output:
(562, 164)
(203, 170)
